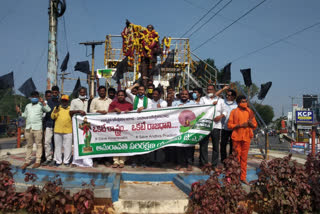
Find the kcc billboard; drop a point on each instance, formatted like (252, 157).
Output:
(304, 116)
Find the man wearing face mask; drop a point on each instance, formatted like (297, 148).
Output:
(62, 132)
(212, 99)
(229, 105)
(33, 132)
(197, 94)
(150, 91)
(242, 122)
(80, 106)
(49, 126)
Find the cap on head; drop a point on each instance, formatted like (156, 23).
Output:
(65, 97)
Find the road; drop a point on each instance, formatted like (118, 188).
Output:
(274, 144)
(8, 143)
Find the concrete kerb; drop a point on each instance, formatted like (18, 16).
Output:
(12, 151)
(72, 181)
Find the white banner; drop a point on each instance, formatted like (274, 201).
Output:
(133, 133)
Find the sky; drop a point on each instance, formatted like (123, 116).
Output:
(291, 64)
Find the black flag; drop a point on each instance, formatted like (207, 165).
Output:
(161, 88)
(174, 81)
(169, 62)
(27, 87)
(155, 70)
(122, 68)
(82, 67)
(64, 64)
(246, 73)
(226, 73)
(201, 67)
(264, 90)
(140, 81)
(6, 81)
(76, 88)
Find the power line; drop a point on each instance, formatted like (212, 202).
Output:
(277, 41)
(229, 25)
(261, 33)
(202, 18)
(210, 18)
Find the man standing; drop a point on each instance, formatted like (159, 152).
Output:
(212, 99)
(157, 102)
(170, 98)
(62, 132)
(229, 105)
(80, 106)
(49, 125)
(242, 122)
(150, 88)
(140, 102)
(101, 103)
(120, 105)
(184, 153)
(33, 132)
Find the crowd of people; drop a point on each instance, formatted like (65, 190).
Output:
(49, 125)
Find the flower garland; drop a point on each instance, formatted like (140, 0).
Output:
(166, 42)
(138, 40)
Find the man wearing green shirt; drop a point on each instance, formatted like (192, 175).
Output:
(33, 114)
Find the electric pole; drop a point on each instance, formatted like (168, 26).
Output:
(92, 76)
(56, 9)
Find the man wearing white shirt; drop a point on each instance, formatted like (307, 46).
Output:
(133, 91)
(184, 153)
(229, 105)
(140, 101)
(157, 102)
(100, 104)
(80, 106)
(211, 98)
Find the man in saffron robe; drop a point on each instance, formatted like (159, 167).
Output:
(242, 122)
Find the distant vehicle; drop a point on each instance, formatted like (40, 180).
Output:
(12, 130)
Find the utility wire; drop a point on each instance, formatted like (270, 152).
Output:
(210, 18)
(214, 6)
(277, 41)
(215, 35)
(261, 33)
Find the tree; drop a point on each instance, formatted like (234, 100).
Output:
(277, 122)
(266, 112)
(254, 89)
(8, 101)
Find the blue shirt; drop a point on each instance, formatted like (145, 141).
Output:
(179, 102)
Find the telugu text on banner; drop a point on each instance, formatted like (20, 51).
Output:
(133, 133)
